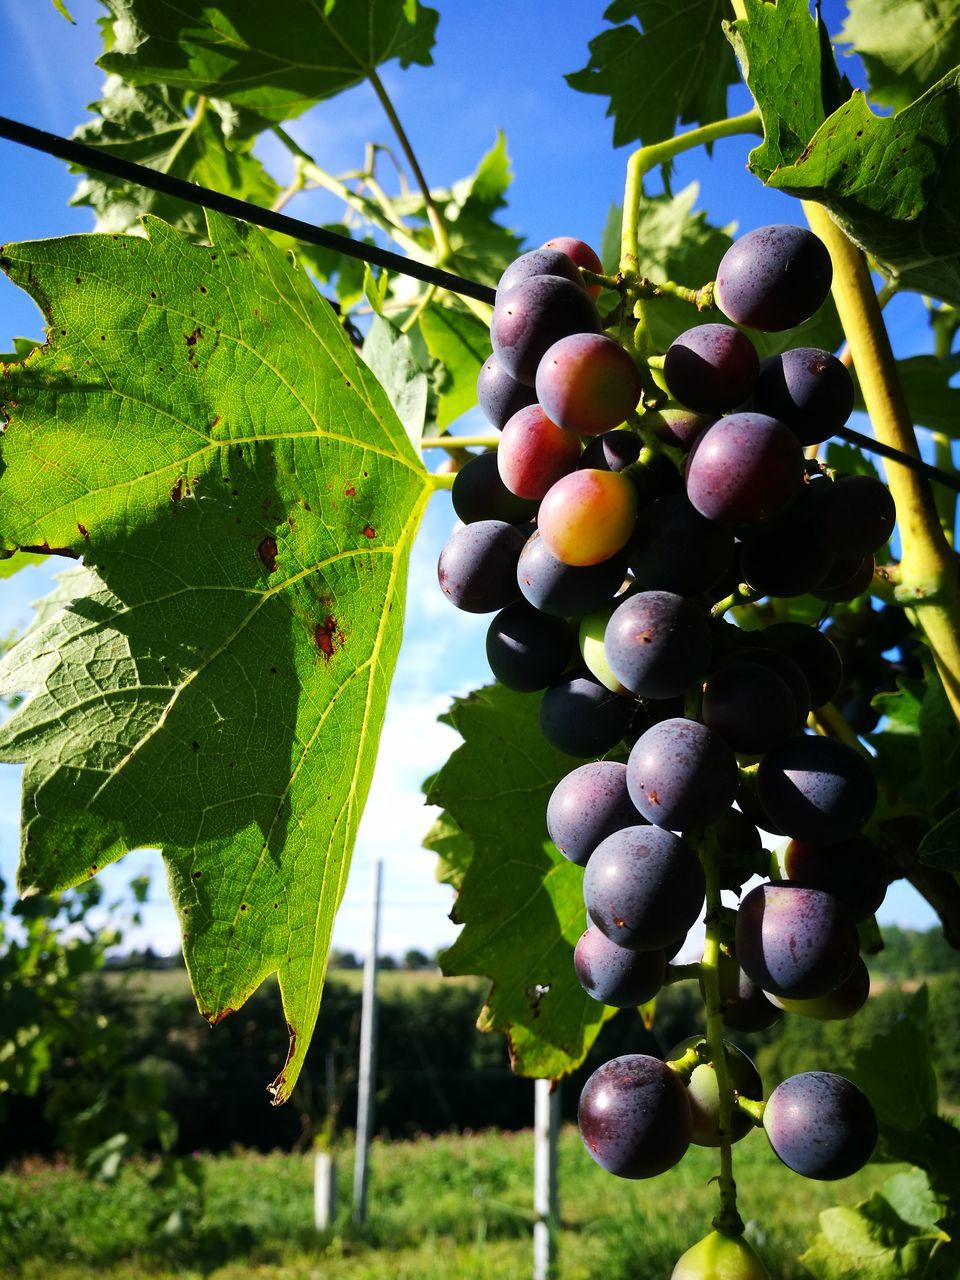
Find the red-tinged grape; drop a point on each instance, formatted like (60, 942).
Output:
(613, 451)
(527, 649)
(658, 644)
(808, 390)
(534, 453)
(814, 653)
(587, 516)
(529, 318)
(614, 975)
(711, 368)
(588, 805)
(820, 1125)
(720, 1257)
(499, 395)
(841, 1003)
(846, 580)
(749, 706)
(817, 789)
(785, 557)
(681, 427)
(588, 384)
(558, 588)
(643, 887)
(581, 717)
(478, 565)
(539, 262)
(703, 1093)
(581, 254)
(851, 870)
(773, 278)
(795, 942)
(681, 775)
(478, 493)
(634, 1118)
(855, 516)
(673, 548)
(744, 469)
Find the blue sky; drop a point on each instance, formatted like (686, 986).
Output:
(499, 65)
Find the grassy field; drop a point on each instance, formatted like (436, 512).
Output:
(451, 1208)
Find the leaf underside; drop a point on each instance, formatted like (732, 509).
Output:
(200, 431)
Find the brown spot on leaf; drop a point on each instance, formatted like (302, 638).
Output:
(267, 551)
(195, 746)
(369, 531)
(350, 493)
(197, 875)
(328, 636)
(176, 493)
(82, 530)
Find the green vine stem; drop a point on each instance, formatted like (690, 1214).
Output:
(750, 1108)
(928, 568)
(460, 442)
(728, 1220)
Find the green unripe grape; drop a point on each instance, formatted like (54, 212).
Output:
(704, 1095)
(720, 1257)
(592, 627)
(588, 516)
(843, 1002)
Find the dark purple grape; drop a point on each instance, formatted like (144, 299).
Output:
(855, 516)
(739, 851)
(749, 706)
(749, 802)
(851, 870)
(846, 580)
(816, 656)
(795, 942)
(634, 1118)
(711, 368)
(529, 318)
(588, 805)
(582, 717)
(501, 396)
(820, 1125)
(837, 1005)
(588, 384)
(808, 390)
(643, 887)
(744, 469)
(614, 975)
(773, 278)
(744, 1005)
(789, 673)
(527, 649)
(562, 589)
(681, 775)
(816, 789)
(681, 427)
(478, 493)
(703, 1093)
(673, 548)
(657, 644)
(539, 262)
(658, 478)
(478, 565)
(785, 557)
(612, 451)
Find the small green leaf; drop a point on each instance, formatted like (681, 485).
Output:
(940, 847)
(933, 402)
(673, 66)
(391, 357)
(11, 564)
(895, 1071)
(850, 460)
(62, 9)
(454, 850)
(520, 900)
(461, 343)
(22, 347)
(201, 430)
(375, 289)
(906, 45)
(272, 67)
(893, 184)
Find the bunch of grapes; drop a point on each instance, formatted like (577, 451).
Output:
(629, 504)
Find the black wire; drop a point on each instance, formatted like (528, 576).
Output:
(93, 158)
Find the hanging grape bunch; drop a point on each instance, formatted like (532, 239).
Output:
(631, 503)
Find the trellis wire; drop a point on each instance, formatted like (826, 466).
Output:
(88, 157)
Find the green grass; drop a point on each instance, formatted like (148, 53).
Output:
(451, 1208)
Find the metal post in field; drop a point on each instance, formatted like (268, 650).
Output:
(324, 1190)
(368, 1056)
(546, 1206)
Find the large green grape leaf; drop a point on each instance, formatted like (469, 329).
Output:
(893, 184)
(151, 125)
(790, 69)
(202, 432)
(926, 382)
(271, 63)
(461, 343)
(520, 901)
(674, 66)
(906, 45)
